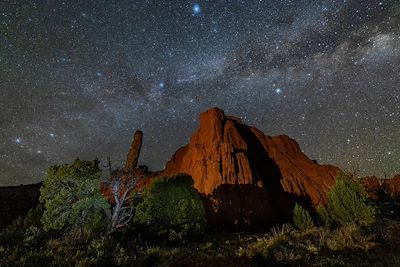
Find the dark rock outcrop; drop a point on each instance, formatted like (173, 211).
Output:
(16, 201)
(374, 187)
(379, 189)
(392, 187)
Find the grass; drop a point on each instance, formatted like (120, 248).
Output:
(349, 245)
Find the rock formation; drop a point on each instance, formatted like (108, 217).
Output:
(374, 187)
(134, 152)
(127, 178)
(223, 151)
(247, 176)
(382, 189)
(393, 187)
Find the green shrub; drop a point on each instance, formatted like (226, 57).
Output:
(301, 218)
(323, 216)
(35, 258)
(34, 216)
(348, 204)
(71, 196)
(171, 207)
(32, 236)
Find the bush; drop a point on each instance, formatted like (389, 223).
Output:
(301, 218)
(72, 197)
(347, 204)
(315, 247)
(34, 216)
(171, 207)
(323, 216)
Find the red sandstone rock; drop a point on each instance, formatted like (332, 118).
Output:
(223, 151)
(374, 187)
(392, 187)
(133, 156)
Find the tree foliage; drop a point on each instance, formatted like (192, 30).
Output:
(347, 204)
(171, 207)
(302, 218)
(71, 196)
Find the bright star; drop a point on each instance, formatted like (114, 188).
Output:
(196, 9)
(162, 85)
(278, 90)
(18, 140)
(51, 134)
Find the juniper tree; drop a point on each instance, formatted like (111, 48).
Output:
(71, 196)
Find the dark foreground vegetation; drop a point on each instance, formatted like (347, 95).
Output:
(75, 225)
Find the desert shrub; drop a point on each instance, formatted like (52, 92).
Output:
(35, 258)
(347, 204)
(348, 237)
(11, 237)
(171, 207)
(313, 247)
(151, 256)
(323, 216)
(301, 218)
(34, 216)
(265, 246)
(32, 236)
(71, 196)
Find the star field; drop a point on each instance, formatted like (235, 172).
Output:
(79, 77)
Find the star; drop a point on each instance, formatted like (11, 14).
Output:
(95, 76)
(196, 9)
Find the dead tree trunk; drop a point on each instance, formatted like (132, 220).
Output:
(122, 212)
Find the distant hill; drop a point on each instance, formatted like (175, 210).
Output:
(16, 201)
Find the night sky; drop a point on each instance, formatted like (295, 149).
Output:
(77, 78)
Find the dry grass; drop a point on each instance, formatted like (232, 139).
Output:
(288, 245)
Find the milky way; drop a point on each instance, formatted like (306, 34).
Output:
(79, 77)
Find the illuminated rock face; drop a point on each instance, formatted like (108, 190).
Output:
(247, 178)
(223, 151)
